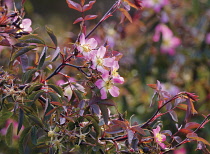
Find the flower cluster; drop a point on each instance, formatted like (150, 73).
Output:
(106, 66)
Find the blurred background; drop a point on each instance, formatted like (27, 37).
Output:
(169, 42)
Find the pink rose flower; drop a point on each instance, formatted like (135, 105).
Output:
(98, 60)
(159, 138)
(106, 84)
(169, 41)
(86, 46)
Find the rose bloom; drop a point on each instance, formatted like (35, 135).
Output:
(106, 84)
(98, 60)
(159, 138)
(169, 41)
(86, 46)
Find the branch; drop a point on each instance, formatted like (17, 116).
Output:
(147, 123)
(186, 139)
(114, 6)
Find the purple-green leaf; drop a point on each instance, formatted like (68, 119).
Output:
(20, 120)
(42, 57)
(22, 51)
(9, 135)
(52, 36)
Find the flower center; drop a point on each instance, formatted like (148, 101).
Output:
(100, 61)
(115, 73)
(86, 47)
(155, 1)
(166, 42)
(108, 84)
(159, 137)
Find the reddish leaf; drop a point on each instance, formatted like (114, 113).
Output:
(90, 17)
(95, 108)
(192, 125)
(173, 115)
(126, 14)
(158, 115)
(78, 20)
(82, 2)
(138, 3)
(105, 113)
(166, 132)
(114, 129)
(192, 107)
(4, 42)
(185, 130)
(23, 1)
(88, 6)
(56, 103)
(182, 107)
(130, 135)
(74, 5)
(153, 86)
(177, 139)
(195, 137)
(117, 55)
(107, 102)
(123, 124)
(138, 129)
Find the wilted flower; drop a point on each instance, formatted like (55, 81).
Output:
(159, 138)
(86, 46)
(169, 41)
(155, 4)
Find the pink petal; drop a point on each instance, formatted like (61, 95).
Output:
(92, 42)
(82, 39)
(101, 52)
(176, 41)
(109, 62)
(116, 65)
(94, 63)
(118, 79)
(105, 75)
(101, 69)
(114, 91)
(26, 22)
(162, 145)
(103, 93)
(99, 83)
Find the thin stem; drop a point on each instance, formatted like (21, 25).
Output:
(102, 19)
(56, 71)
(147, 123)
